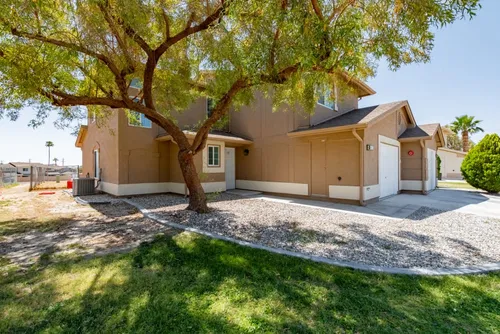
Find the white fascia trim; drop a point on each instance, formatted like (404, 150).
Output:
(415, 185)
(371, 191)
(344, 192)
(274, 187)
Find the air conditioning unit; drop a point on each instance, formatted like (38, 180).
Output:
(83, 186)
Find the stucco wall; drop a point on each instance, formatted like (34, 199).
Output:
(104, 139)
(141, 158)
(347, 102)
(402, 121)
(194, 114)
(386, 127)
(284, 159)
(411, 166)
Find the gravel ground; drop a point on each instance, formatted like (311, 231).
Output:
(429, 238)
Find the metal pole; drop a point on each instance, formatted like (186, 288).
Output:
(31, 178)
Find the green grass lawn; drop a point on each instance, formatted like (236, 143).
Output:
(455, 185)
(191, 284)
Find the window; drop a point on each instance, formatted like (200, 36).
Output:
(137, 119)
(25, 169)
(210, 106)
(213, 156)
(324, 99)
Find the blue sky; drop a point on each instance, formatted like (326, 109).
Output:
(463, 77)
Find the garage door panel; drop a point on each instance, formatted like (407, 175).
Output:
(389, 170)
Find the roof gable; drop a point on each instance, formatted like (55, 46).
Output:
(359, 118)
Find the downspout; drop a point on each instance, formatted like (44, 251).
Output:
(422, 145)
(361, 167)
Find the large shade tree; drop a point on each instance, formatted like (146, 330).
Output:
(65, 54)
(466, 125)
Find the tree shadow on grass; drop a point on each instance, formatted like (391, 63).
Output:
(186, 283)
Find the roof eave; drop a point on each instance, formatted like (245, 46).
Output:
(227, 139)
(408, 139)
(81, 136)
(313, 132)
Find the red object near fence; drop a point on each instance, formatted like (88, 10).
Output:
(69, 184)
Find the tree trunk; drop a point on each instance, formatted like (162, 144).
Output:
(197, 198)
(465, 140)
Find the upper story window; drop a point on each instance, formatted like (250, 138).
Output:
(137, 119)
(25, 169)
(325, 100)
(213, 156)
(210, 106)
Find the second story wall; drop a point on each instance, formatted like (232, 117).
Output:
(141, 158)
(259, 121)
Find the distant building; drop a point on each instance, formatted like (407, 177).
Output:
(451, 160)
(8, 174)
(24, 168)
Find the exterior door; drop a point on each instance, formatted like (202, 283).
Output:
(318, 168)
(388, 170)
(230, 168)
(97, 170)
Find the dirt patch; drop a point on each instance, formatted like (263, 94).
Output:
(38, 229)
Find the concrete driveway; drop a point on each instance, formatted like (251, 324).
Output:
(403, 205)
(472, 202)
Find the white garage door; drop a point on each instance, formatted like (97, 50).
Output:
(389, 170)
(431, 167)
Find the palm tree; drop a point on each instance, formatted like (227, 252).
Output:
(49, 144)
(55, 161)
(466, 125)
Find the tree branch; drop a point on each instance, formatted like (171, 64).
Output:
(219, 111)
(317, 9)
(114, 69)
(62, 99)
(109, 93)
(121, 42)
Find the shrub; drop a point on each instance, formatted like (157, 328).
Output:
(481, 166)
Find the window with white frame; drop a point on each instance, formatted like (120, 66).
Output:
(213, 155)
(137, 119)
(325, 98)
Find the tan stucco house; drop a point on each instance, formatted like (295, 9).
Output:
(340, 152)
(451, 160)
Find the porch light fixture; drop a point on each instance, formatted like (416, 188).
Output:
(370, 147)
(246, 152)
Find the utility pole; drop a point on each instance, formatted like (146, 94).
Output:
(63, 162)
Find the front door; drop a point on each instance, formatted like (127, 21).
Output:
(230, 168)
(318, 168)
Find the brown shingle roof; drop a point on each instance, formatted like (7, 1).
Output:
(356, 116)
(424, 130)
